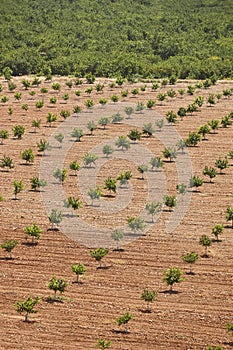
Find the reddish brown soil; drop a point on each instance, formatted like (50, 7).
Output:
(191, 318)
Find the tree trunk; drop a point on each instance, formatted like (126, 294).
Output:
(100, 264)
(55, 294)
(10, 255)
(190, 269)
(77, 277)
(26, 317)
(170, 288)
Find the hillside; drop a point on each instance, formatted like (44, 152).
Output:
(145, 38)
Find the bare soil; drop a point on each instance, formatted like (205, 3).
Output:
(192, 317)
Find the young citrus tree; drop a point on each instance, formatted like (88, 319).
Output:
(103, 344)
(124, 177)
(221, 164)
(27, 306)
(110, 184)
(75, 166)
(190, 258)
(217, 230)
(60, 174)
(142, 168)
(94, 193)
(170, 201)
(28, 156)
(195, 181)
(57, 284)
(209, 171)
(153, 208)
(205, 241)
(107, 150)
(171, 276)
(78, 269)
(36, 183)
(8, 246)
(124, 320)
(229, 215)
(123, 143)
(117, 236)
(6, 162)
(98, 254)
(55, 218)
(89, 159)
(18, 187)
(170, 153)
(149, 296)
(34, 231)
(156, 163)
(136, 224)
(77, 133)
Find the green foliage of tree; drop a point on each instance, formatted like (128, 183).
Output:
(193, 139)
(28, 155)
(142, 168)
(107, 150)
(56, 86)
(214, 125)
(110, 184)
(33, 231)
(171, 117)
(27, 306)
(4, 135)
(150, 104)
(160, 124)
(156, 163)
(18, 187)
(77, 133)
(74, 203)
(226, 121)
(205, 241)
(51, 118)
(117, 236)
(171, 276)
(39, 104)
(117, 118)
(170, 153)
(7, 73)
(148, 129)
(124, 320)
(60, 174)
(153, 208)
(94, 193)
(89, 103)
(36, 124)
(181, 145)
(77, 109)
(98, 254)
(57, 285)
(221, 164)
(149, 296)
(79, 269)
(136, 224)
(190, 258)
(211, 347)
(134, 135)
(103, 101)
(91, 126)
(104, 121)
(229, 215)
(195, 181)
(8, 246)
(37, 183)
(89, 159)
(55, 217)
(43, 145)
(75, 166)
(6, 162)
(114, 98)
(209, 171)
(181, 188)
(203, 130)
(129, 111)
(217, 230)
(59, 138)
(18, 131)
(104, 344)
(123, 143)
(170, 201)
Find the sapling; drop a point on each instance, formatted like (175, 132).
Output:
(149, 296)
(123, 143)
(217, 230)
(229, 215)
(171, 276)
(103, 344)
(142, 168)
(75, 166)
(209, 171)
(34, 231)
(55, 218)
(18, 187)
(156, 163)
(110, 184)
(136, 224)
(27, 306)
(153, 208)
(89, 159)
(221, 164)
(59, 138)
(8, 246)
(190, 258)
(98, 254)
(123, 320)
(170, 201)
(205, 241)
(117, 236)
(57, 284)
(78, 269)
(94, 193)
(107, 150)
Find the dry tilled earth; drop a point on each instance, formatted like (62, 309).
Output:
(192, 317)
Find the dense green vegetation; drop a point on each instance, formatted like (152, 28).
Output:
(140, 38)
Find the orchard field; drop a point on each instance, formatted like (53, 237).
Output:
(196, 314)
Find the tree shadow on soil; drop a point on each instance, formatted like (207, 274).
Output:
(51, 300)
(144, 311)
(170, 292)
